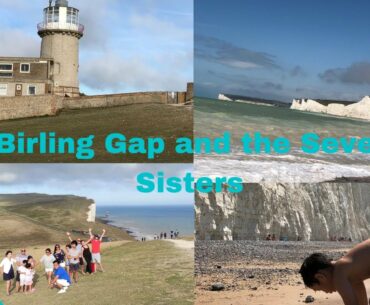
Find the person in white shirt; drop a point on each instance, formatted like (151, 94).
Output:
(20, 257)
(29, 278)
(47, 260)
(8, 270)
(22, 276)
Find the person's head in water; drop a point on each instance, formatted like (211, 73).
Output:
(74, 244)
(317, 273)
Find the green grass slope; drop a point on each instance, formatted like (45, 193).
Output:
(151, 273)
(150, 120)
(36, 219)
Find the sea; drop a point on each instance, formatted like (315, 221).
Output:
(214, 117)
(148, 220)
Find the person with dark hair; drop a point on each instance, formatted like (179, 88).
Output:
(86, 253)
(8, 270)
(74, 260)
(60, 255)
(345, 276)
(61, 278)
(96, 241)
(79, 248)
(48, 259)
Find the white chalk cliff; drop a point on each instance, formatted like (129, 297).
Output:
(359, 110)
(308, 211)
(222, 97)
(91, 214)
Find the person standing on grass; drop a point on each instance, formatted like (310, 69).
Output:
(68, 248)
(8, 270)
(60, 255)
(20, 257)
(86, 253)
(79, 248)
(74, 261)
(61, 278)
(47, 260)
(95, 247)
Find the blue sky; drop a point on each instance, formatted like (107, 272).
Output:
(107, 184)
(283, 49)
(128, 46)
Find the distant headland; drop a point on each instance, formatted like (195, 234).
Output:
(350, 109)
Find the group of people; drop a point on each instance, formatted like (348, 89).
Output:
(60, 265)
(163, 235)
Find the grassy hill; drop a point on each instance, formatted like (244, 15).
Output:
(150, 120)
(37, 219)
(151, 273)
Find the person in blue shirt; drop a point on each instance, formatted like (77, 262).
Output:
(61, 278)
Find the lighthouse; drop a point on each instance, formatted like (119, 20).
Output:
(60, 32)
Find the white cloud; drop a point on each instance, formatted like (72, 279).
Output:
(111, 71)
(7, 177)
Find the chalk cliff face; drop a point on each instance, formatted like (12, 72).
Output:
(91, 214)
(359, 110)
(222, 97)
(309, 211)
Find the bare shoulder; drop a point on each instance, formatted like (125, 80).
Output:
(362, 248)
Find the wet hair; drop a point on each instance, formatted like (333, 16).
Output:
(28, 266)
(7, 252)
(74, 243)
(312, 265)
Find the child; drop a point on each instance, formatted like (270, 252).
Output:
(29, 278)
(22, 276)
(48, 260)
(345, 276)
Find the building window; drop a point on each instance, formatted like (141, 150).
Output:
(25, 68)
(31, 90)
(3, 89)
(6, 70)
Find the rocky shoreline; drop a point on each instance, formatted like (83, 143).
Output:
(240, 265)
(106, 221)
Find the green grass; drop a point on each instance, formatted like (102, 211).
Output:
(37, 219)
(152, 273)
(150, 120)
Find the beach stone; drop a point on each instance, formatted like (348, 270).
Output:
(217, 287)
(309, 299)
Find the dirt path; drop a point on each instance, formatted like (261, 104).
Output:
(182, 244)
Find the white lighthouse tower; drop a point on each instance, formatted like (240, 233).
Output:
(60, 32)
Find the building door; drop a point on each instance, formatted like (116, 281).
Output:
(18, 89)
